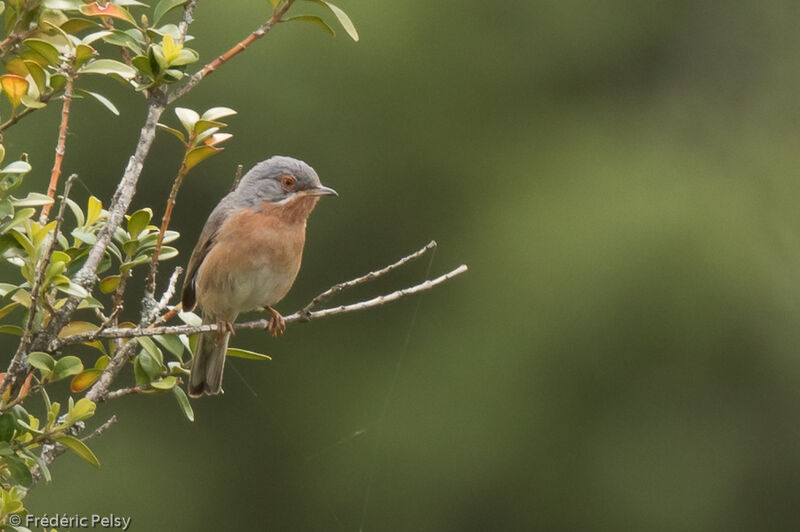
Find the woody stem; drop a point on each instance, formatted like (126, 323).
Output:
(150, 285)
(238, 48)
(55, 173)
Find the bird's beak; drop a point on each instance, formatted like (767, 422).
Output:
(319, 191)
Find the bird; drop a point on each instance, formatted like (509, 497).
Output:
(247, 257)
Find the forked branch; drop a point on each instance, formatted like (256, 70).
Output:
(301, 315)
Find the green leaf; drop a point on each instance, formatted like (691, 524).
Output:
(84, 379)
(171, 343)
(172, 131)
(164, 7)
(8, 309)
(83, 409)
(138, 221)
(312, 19)
(149, 365)
(183, 402)
(11, 329)
(17, 167)
(109, 66)
(167, 383)
(152, 349)
(8, 424)
(33, 103)
(103, 100)
(43, 362)
(80, 448)
(18, 470)
(84, 236)
(198, 155)
(187, 117)
(250, 355)
(73, 289)
(89, 302)
(66, 367)
(83, 52)
(45, 49)
(33, 199)
(110, 283)
(215, 113)
(342, 17)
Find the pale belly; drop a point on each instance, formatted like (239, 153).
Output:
(228, 285)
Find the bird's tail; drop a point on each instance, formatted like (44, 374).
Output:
(208, 362)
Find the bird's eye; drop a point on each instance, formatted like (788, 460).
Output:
(288, 182)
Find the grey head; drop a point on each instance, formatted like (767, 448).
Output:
(278, 180)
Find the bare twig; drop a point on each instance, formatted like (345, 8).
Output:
(186, 20)
(17, 366)
(337, 288)
(44, 98)
(51, 451)
(170, 291)
(227, 56)
(122, 392)
(298, 316)
(55, 173)
(237, 176)
(150, 284)
(87, 275)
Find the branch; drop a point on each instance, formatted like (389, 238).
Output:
(237, 176)
(51, 451)
(240, 47)
(186, 20)
(44, 98)
(55, 173)
(99, 390)
(335, 289)
(87, 275)
(150, 283)
(18, 362)
(298, 316)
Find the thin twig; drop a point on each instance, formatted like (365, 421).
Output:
(44, 98)
(18, 363)
(55, 173)
(122, 392)
(87, 275)
(335, 289)
(240, 47)
(170, 291)
(150, 284)
(237, 176)
(263, 323)
(51, 451)
(186, 20)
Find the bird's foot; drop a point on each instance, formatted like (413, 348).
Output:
(277, 325)
(224, 327)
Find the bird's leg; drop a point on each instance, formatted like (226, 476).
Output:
(224, 327)
(276, 325)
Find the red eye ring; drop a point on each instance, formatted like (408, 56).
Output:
(288, 182)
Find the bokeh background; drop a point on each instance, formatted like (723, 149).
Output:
(621, 178)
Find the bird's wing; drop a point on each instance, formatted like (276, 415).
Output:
(204, 244)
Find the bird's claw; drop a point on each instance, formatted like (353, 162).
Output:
(276, 325)
(224, 327)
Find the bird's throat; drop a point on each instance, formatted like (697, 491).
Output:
(294, 211)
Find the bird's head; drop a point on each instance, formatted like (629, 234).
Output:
(281, 179)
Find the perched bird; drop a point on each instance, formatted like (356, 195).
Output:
(247, 257)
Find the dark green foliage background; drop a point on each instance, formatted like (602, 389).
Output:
(621, 178)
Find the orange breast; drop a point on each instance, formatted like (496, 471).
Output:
(255, 258)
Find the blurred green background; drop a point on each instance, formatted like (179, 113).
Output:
(621, 178)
